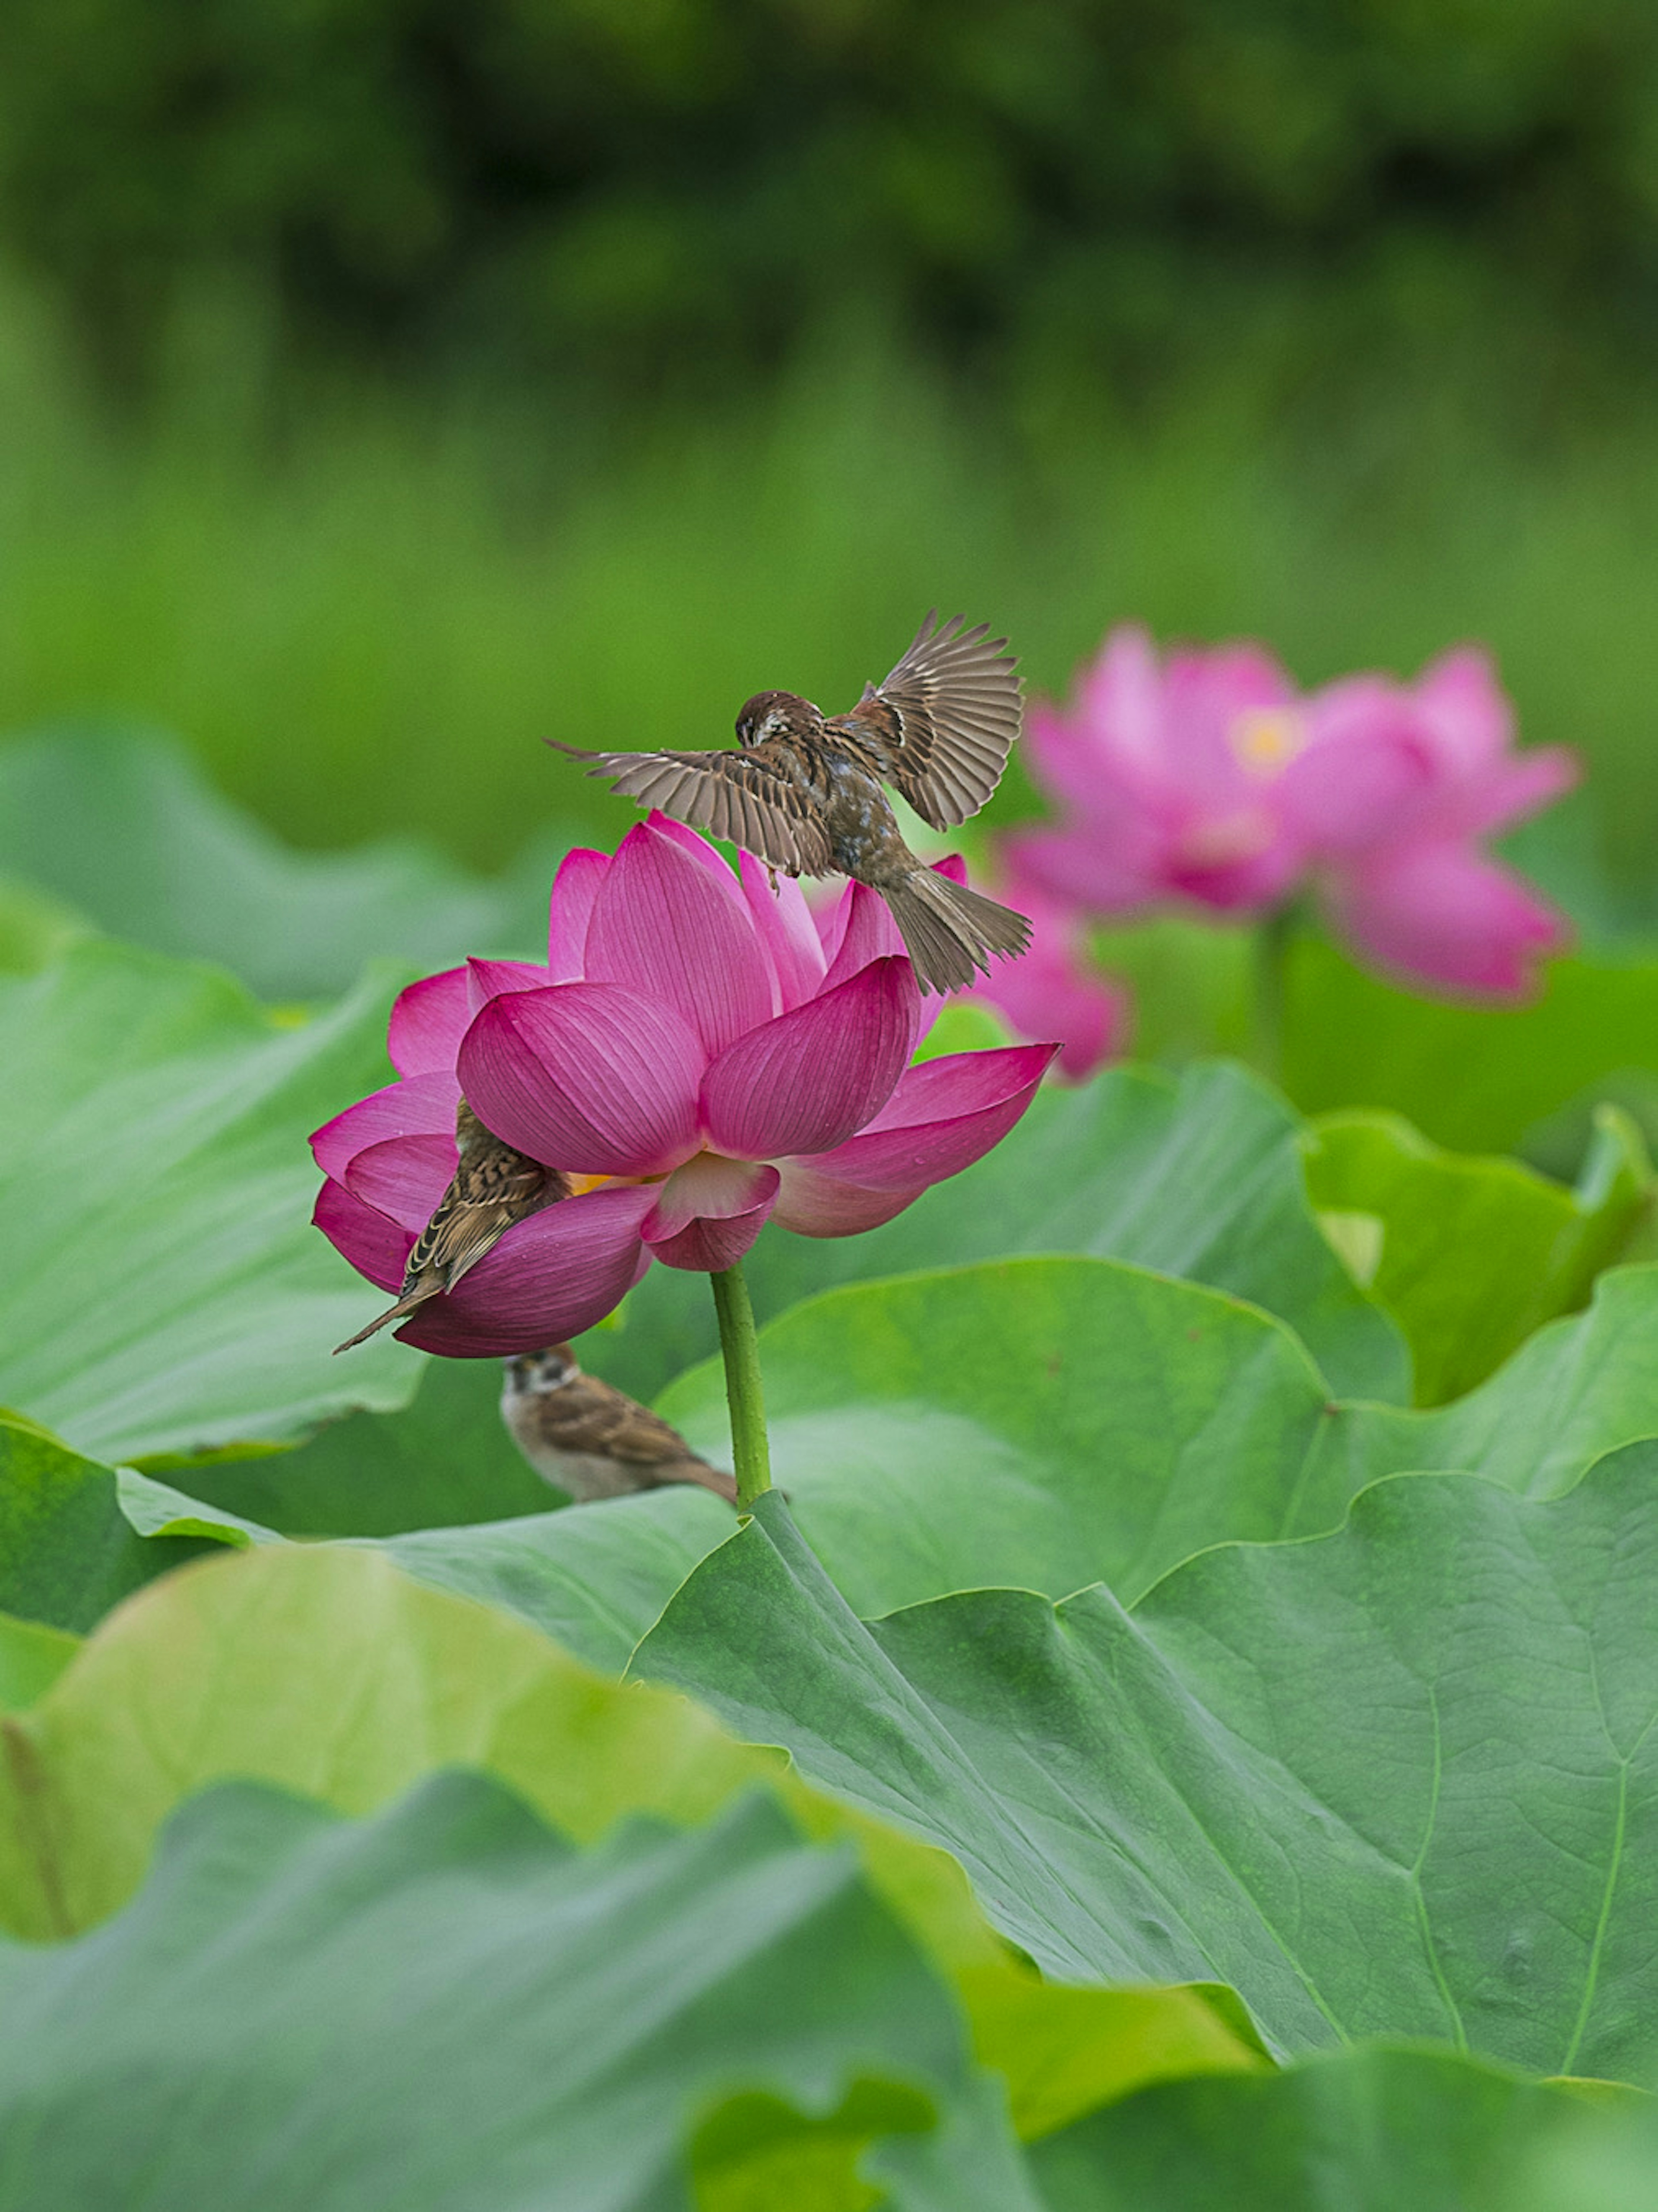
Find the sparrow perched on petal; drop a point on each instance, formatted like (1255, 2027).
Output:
(803, 793)
(587, 1438)
(493, 1187)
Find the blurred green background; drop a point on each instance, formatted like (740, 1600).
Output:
(384, 386)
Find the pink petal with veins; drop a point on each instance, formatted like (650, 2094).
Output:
(809, 1079)
(548, 1278)
(783, 923)
(709, 1211)
(943, 1115)
(690, 840)
(374, 1244)
(591, 1078)
(404, 1178)
(575, 887)
(868, 933)
(428, 1021)
(813, 1205)
(493, 979)
(422, 1106)
(662, 926)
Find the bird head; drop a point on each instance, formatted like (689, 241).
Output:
(776, 715)
(533, 1374)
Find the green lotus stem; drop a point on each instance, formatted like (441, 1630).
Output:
(1273, 938)
(740, 1349)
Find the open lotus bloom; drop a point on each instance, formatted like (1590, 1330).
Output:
(700, 1055)
(1205, 776)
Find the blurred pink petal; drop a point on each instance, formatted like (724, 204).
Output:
(1108, 868)
(575, 887)
(1461, 696)
(1051, 993)
(1515, 788)
(709, 1211)
(405, 1177)
(809, 1079)
(370, 1240)
(1346, 787)
(590, 1078)
(422, 1106)
(428, 1023)
(664, 927)
(1443, 914)
(548, 1278)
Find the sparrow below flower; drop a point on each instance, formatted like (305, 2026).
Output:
(492, 1188)
(803, 793)
(587, 1438)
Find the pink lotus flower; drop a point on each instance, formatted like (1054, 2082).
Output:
(1052, 990)
(1207, 777)
(699, 1054)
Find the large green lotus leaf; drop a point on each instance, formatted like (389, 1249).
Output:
(1051, 1423)
(1579, 1388)
(1200, 1178)
(1604, 2161)
(1474, 1254)
(322, 1669)
(1475, 1077)
(1402, 1779)
(443, 1458)
(448, 2007)
(35, 928)
(68, 1552)
(123, 828)
(164, 1290)
(594, 1579)
(1047, 1423)
(1372, 2130)
(32, 1657)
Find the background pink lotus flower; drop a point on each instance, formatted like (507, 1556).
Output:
(1052, 990)
(699, 1054)
(1207, 777)
(1165, 771)
(1394, 790)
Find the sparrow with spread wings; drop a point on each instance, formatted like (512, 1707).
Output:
(803, 791)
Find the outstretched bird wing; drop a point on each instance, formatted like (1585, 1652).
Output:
(957, 703)
(739, 795)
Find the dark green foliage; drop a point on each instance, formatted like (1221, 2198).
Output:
(626, 183)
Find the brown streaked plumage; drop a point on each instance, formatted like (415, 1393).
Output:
(803, 793)
(493, 1187)
(587, 1438)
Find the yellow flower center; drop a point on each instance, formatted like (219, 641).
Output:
(1265, 740)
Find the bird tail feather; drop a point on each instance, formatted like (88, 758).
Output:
(951, 931)
(698, 1470)
(401, 1311)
